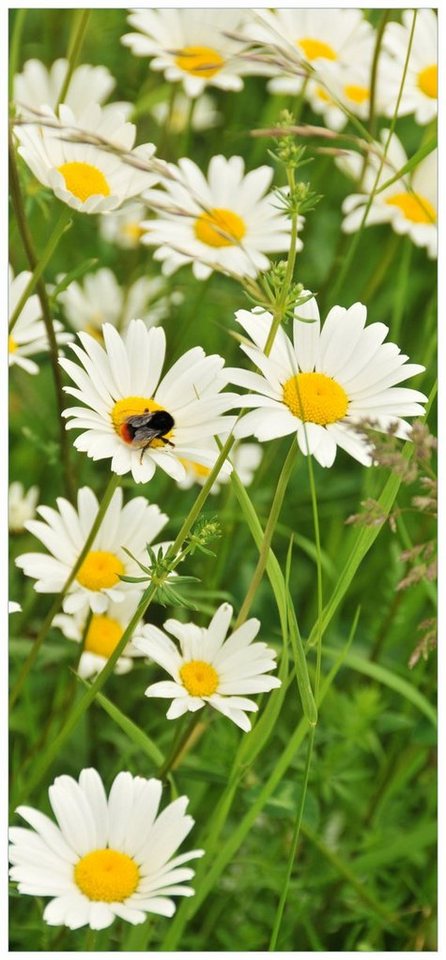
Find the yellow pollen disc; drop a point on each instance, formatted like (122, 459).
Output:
(199, 678)
(428, 81)
(100, 570)
(220, 228)
(83, 180)
(103, 635)
(313, 49)
(95, 332)
(199, 61)
(106, 875)
(134, 407)
(415, 208)
(198, 468)
(323, 95)
(133, 231)
(315, 398)
(12, 344)
(356, 93)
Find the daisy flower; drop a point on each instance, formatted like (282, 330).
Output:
(21, 506)
(123, 227)
(411, 212)
(86, 176)
(191, 46)
(105, 857)
(63, 532)
(324, 382)
(28, 336)
(226, 222)
(209, 667)
(337, 87)
(121, 387)
(205, 115)
(301, 40)
(39, 86)
(421, 84)
(104, 632)
(245, 458)
(99, 299)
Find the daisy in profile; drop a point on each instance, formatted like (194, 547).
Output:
(338, 91)
(103, 633)
(123, 226)
(100, 299)
(28, 336)
(63, 532)
(138, 418)
(409, 204)
(324, 382)
(420, 90)
(38, 86)
(191, 46)
(209, 667)
(21, 506)
(88, 176)
(299, 41)
(244, 457)
(105, 857)
(204, 116)
(225, 222)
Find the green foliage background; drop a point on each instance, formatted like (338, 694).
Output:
(365, 872)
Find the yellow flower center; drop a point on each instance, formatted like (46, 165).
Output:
(133, 231)
(199, 61)
(415, 207)
(83, 180)
(12, 344)
(100, 570)
(135, 407)
(315, 398)
(103, 635)
(428, 81)
(220, 228)
(199, 678)
(106, 875)
(356, 94)
(313, 49)
(198, 468)
(323, 95)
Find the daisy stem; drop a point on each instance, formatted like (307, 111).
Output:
(373, 76)
(184, 144)
(292, 857)
(28, 244)
(356, 239)
(19, 20)
(181, 745)
(57, 603)
(279, 310)
(63, 224)
(276, 507)
(74, 49)
(317, 538)
(83, 704)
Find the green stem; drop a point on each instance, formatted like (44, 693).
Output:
(280, 307)
(64, 223)
(57, 603)
(179, 745)
(400, 298)
(353, 247)
(317, 538)
(374, 73)
(74, 49)
(298, 822)
(28, 245)
(82, 705)
(19, 21)
(269, 531)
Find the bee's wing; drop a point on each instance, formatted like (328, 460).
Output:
(145, 433)
(139, 420)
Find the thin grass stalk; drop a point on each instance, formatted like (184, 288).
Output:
(63, 224)
(16, 39)
(57, 603)
(28, 244)
(74, 48)
(357, 237)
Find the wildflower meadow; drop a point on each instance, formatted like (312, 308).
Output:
(222, 479)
